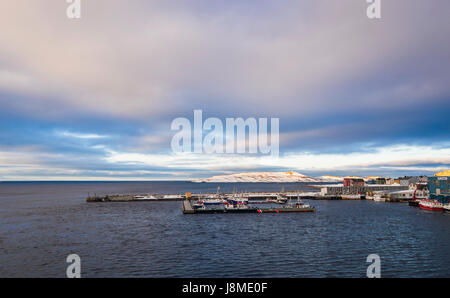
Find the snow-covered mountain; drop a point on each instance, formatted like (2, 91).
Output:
(329, 178)
(262, 177)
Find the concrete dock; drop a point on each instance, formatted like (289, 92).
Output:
(253, 196)
(187, 207)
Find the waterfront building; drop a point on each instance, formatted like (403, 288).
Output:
(407, 180)
(353, 181)
(418, 191)
(380, 180)
(340, 189)
(439, 186)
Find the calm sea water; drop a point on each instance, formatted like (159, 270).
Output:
(42, 223)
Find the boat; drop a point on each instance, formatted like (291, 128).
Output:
(198, 205)
(351, 197)
(431, 205)
(299, 206)
(379, 198)
(447, 207)
(236, 206)
(281, 199)
(239, 208)
(234, 199)
(209, 201)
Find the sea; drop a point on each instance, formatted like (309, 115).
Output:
(41, 223)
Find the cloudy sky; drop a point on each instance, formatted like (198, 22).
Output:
(94, 98)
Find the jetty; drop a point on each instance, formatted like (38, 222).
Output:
(256, 197)
(187, 208)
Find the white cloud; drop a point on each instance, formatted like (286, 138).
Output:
(394, 155)
(66, 133)
(24, 164)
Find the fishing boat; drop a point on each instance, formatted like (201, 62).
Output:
(236, 206)
(198, 205)
(431, 205)
(447, 207)
(239, 208)
(235, 199)
(216, 199)
(298, 206)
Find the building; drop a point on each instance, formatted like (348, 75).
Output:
(390, 181)
(339, 189)
(419, 191)
(380, 180)
(353, 181)
(407, 180)
(439, 187)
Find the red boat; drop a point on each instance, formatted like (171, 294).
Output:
(431, 205)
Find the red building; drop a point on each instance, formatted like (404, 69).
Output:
(349, 181)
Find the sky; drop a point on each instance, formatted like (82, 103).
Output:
(94, 98)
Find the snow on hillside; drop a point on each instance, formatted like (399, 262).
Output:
(329, 178)
(261, 177)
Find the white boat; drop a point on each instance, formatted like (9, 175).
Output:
(281, 199)
(378, 198)
(236, 206)
(213, 201)
(351, 197)
(299, 204)
(447, 207)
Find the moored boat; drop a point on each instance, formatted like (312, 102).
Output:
(351, 197)
(198, 205)
(282, 199)
(297, 207)
(379, 198)
(239, 208)
(431, 205)
(237, 200)
(447, 207)
(209, 201)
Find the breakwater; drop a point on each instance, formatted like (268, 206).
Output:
(199, 196)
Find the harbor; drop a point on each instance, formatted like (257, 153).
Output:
(428, 193)
(158, 230)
